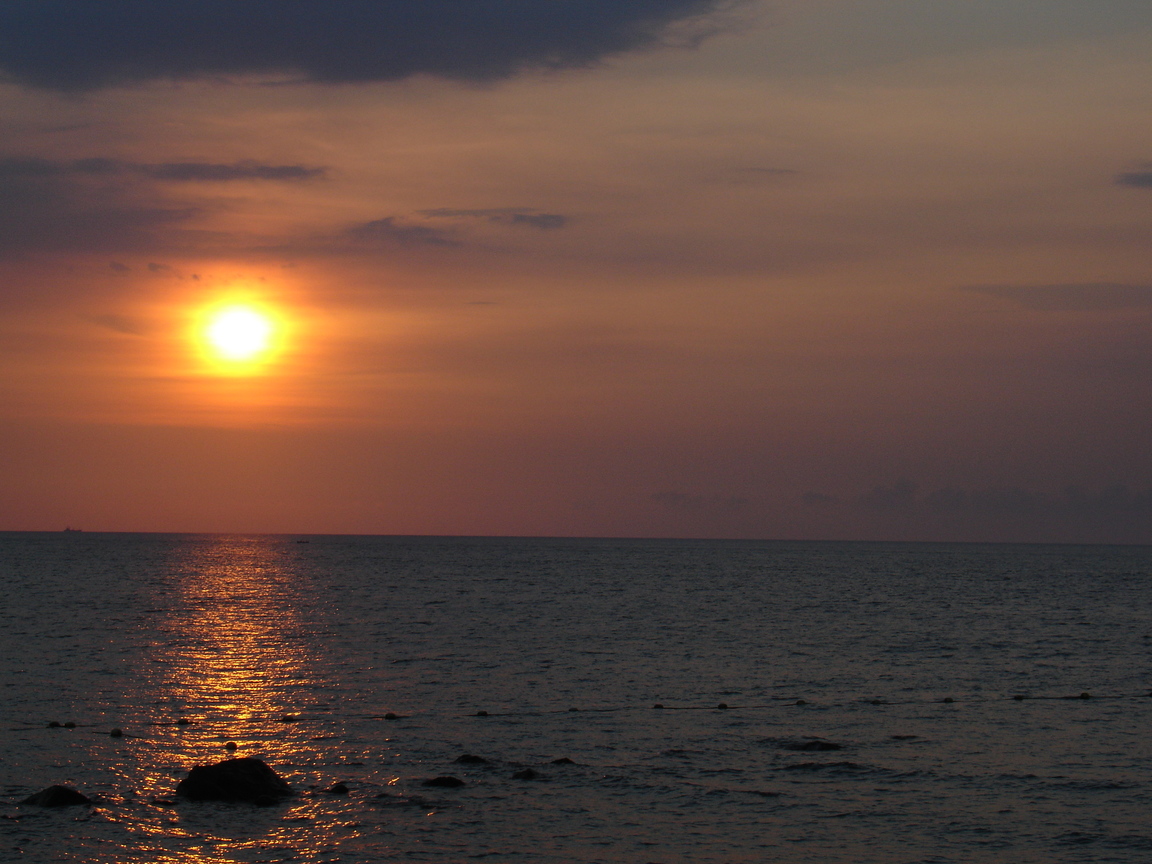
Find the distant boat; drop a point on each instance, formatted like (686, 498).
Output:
(70, 530)
(303, 541)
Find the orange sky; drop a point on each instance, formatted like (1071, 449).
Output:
(874, 269)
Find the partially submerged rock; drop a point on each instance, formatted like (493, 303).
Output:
(445, 782)
(244, 779)
(471, 759)
(57, 796)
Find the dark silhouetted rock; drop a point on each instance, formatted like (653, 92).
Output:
(658, 706)
(525, 774)
(446, 782)
(69, 725)
(469, 759)
(54, 724)
(234, 780)
(481, 713)
(183, 721)
(563, 760)
(231, 745)
(56, 796)
(812, 746)
(337, 789)
(391, 716)
(117, 733)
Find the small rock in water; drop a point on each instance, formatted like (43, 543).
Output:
(469, 759)
(69, 725)
(337, 789)
(481, 713)
(183, 721)
(117, 733)
(244, 779)
(948, 700)
(657, 705)
(56, 796)
(289, 718)
(231, 745)
(563, 760)
(391, 716)
(801, 702)
(723, 706)
(445, 781)
(1085, 695)
(53, 724)
(525, 774)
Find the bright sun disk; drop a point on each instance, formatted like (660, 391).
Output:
(239, 333)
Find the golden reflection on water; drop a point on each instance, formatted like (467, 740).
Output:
(236, 664)
(244, 657)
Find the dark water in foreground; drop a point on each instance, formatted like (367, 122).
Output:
(234, 633)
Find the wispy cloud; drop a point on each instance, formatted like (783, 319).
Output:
(1071, 297)
(905, 499)
(526, 217)
(211, 172)
(391, 230)
(1136, 179)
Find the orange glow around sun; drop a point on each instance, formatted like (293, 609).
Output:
(240, 337)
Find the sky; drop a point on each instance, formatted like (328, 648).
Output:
(780, 269)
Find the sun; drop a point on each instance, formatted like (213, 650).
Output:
(239, 336)
(239, 333)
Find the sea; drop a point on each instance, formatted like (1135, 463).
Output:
(663, 701)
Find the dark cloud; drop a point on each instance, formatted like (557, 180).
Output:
(211, 172)
(903, 498)
(900, 497)
(1014, 501)
(519, 216)
(81, 44)
(389, 231)
(104, 204)
(1072, 297)
(56, 212)
(1137, 179)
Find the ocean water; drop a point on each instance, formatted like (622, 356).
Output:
(834, 659)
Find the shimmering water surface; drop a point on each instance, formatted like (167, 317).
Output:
(297, 651)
